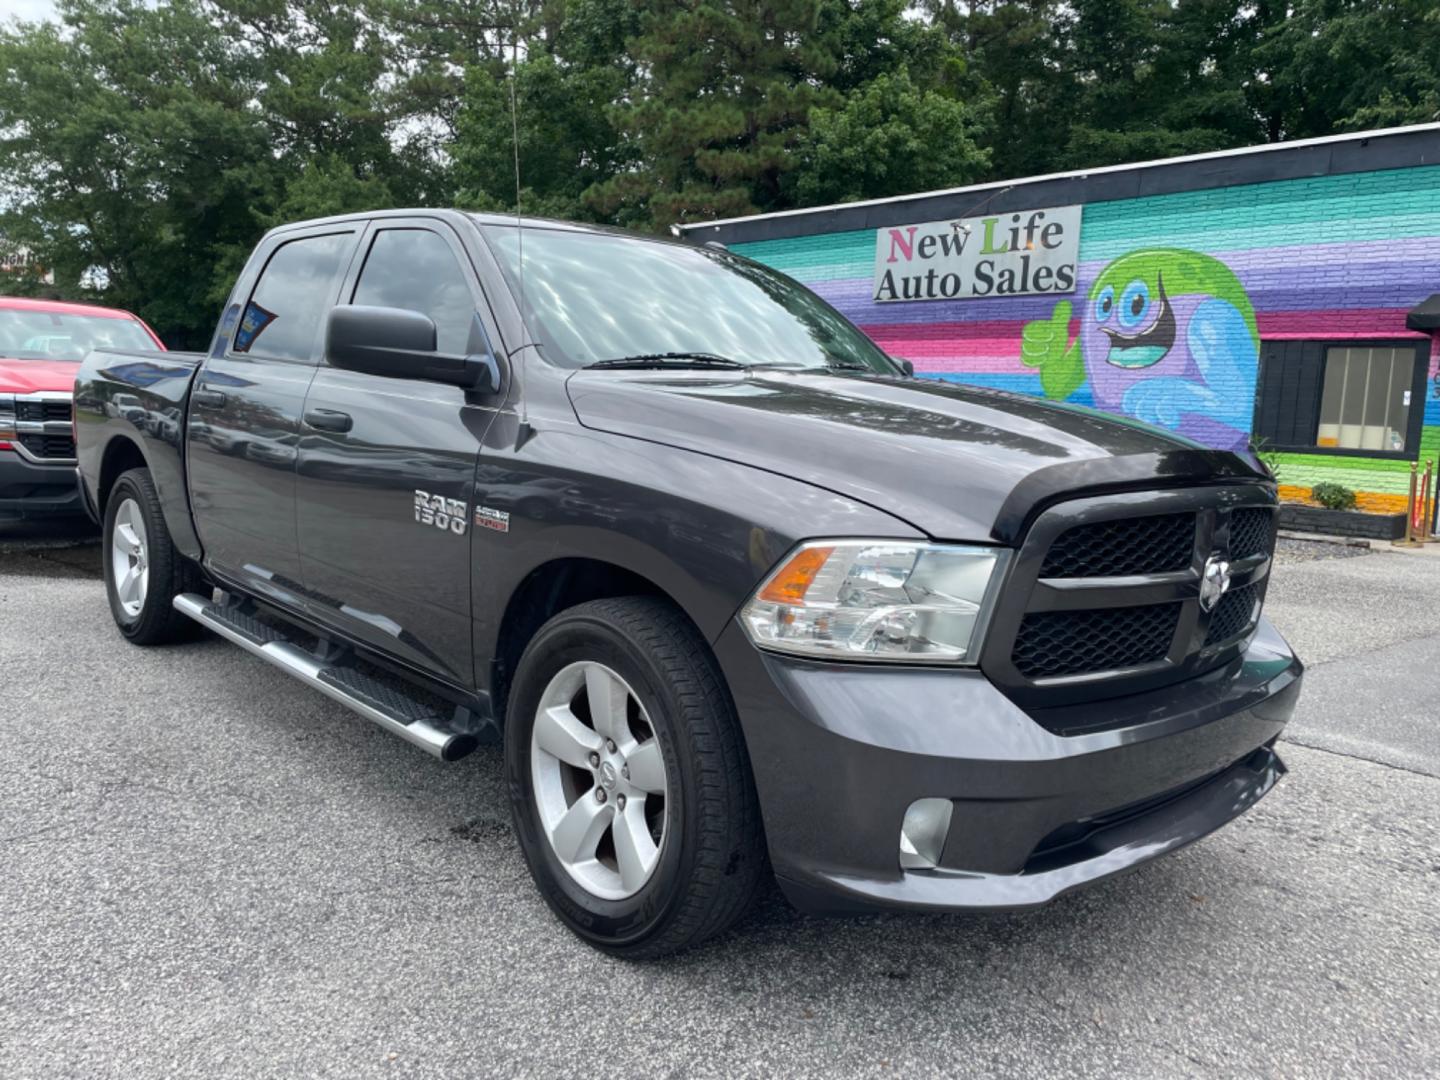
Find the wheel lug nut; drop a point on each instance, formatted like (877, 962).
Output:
(620, 801)
(594, 760)
(625, 771)
(610, 745)
(599, 794)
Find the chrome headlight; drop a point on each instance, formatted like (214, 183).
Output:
(882, 600)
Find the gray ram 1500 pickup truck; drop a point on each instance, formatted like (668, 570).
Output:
(740, 595)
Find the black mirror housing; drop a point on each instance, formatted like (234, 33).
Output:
(377, 340)
(397, 343)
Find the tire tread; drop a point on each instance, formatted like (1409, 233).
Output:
(171, 573)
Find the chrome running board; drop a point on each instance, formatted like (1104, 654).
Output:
(385, 703)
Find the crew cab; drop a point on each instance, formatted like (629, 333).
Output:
(41, 345)
(741, 596)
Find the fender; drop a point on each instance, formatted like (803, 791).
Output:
(703, 530)
(131, 408)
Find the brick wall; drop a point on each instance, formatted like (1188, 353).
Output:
(1323, 258)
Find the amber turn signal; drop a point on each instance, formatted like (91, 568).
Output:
(794, 579)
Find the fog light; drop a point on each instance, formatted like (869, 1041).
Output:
(923, 832)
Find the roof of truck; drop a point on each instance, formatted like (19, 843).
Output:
(63, 307)
(476, 216)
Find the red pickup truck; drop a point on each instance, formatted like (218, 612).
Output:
(41, 345)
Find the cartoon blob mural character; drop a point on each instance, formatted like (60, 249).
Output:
(1167, 336)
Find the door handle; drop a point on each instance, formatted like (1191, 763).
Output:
(207, 399)
(328, 420)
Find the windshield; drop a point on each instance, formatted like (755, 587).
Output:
(64, 335)
(592, 297)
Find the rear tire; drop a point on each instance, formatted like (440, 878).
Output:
(143, 570)
(702, 852)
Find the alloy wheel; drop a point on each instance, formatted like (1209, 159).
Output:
(599, 780)
(130, 558)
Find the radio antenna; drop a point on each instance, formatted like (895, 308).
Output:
(519, 224)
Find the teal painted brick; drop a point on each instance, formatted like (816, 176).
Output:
(1390, 205)
(816, 258)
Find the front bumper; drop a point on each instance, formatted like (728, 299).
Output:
(28, 490)
(839, 753)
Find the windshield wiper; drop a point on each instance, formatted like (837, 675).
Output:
(669, 359)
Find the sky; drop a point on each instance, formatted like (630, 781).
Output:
(30, 10)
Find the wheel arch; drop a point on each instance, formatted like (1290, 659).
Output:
(546, 590)
(131, 449)
(121, 455)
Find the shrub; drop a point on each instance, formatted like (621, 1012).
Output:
(1333, 496)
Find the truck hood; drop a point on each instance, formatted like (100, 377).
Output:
(31, 376)
(956, 462)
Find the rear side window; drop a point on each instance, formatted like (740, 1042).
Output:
(416, 270)
(292, 298)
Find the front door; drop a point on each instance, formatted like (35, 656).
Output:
(386, 467)
(244, 418)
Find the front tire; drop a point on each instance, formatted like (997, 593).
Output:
(629, 785)
(144, 571)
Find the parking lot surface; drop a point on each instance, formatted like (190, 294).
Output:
(210, 870)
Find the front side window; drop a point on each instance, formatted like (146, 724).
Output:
(63, 335)
(1366, 400)
(590, 297)
(290, 301)
(416, 270)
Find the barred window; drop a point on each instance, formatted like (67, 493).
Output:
(1366, 402)
(1363, 398)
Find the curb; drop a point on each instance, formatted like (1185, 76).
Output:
(1323, 538)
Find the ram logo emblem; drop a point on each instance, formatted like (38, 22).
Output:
(450, 515)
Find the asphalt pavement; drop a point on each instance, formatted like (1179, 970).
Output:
(209, 870)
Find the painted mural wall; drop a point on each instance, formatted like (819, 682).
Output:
(1174, 296)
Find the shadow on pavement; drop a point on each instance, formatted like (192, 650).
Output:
(65, 549)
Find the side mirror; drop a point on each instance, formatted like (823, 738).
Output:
(906, 366)
(396, 343)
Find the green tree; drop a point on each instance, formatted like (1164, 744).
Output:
(890, 137)
(726, 89)
(1334, 65)
(129, 152)
(1011, 52)
(566, 138)
(871, 38)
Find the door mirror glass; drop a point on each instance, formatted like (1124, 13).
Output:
(396, 343)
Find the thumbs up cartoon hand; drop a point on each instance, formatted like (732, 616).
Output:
(1045, 344)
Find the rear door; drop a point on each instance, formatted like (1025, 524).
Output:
(386, 466)
(244, 410)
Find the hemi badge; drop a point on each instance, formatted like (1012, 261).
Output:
(498, 520)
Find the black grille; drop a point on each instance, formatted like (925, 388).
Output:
(49, 446)
(1052, 643)
(1252, 532)
(42, 410)
(1138, 545)
(1233, 615)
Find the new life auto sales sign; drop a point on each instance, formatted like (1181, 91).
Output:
(1029, 253)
